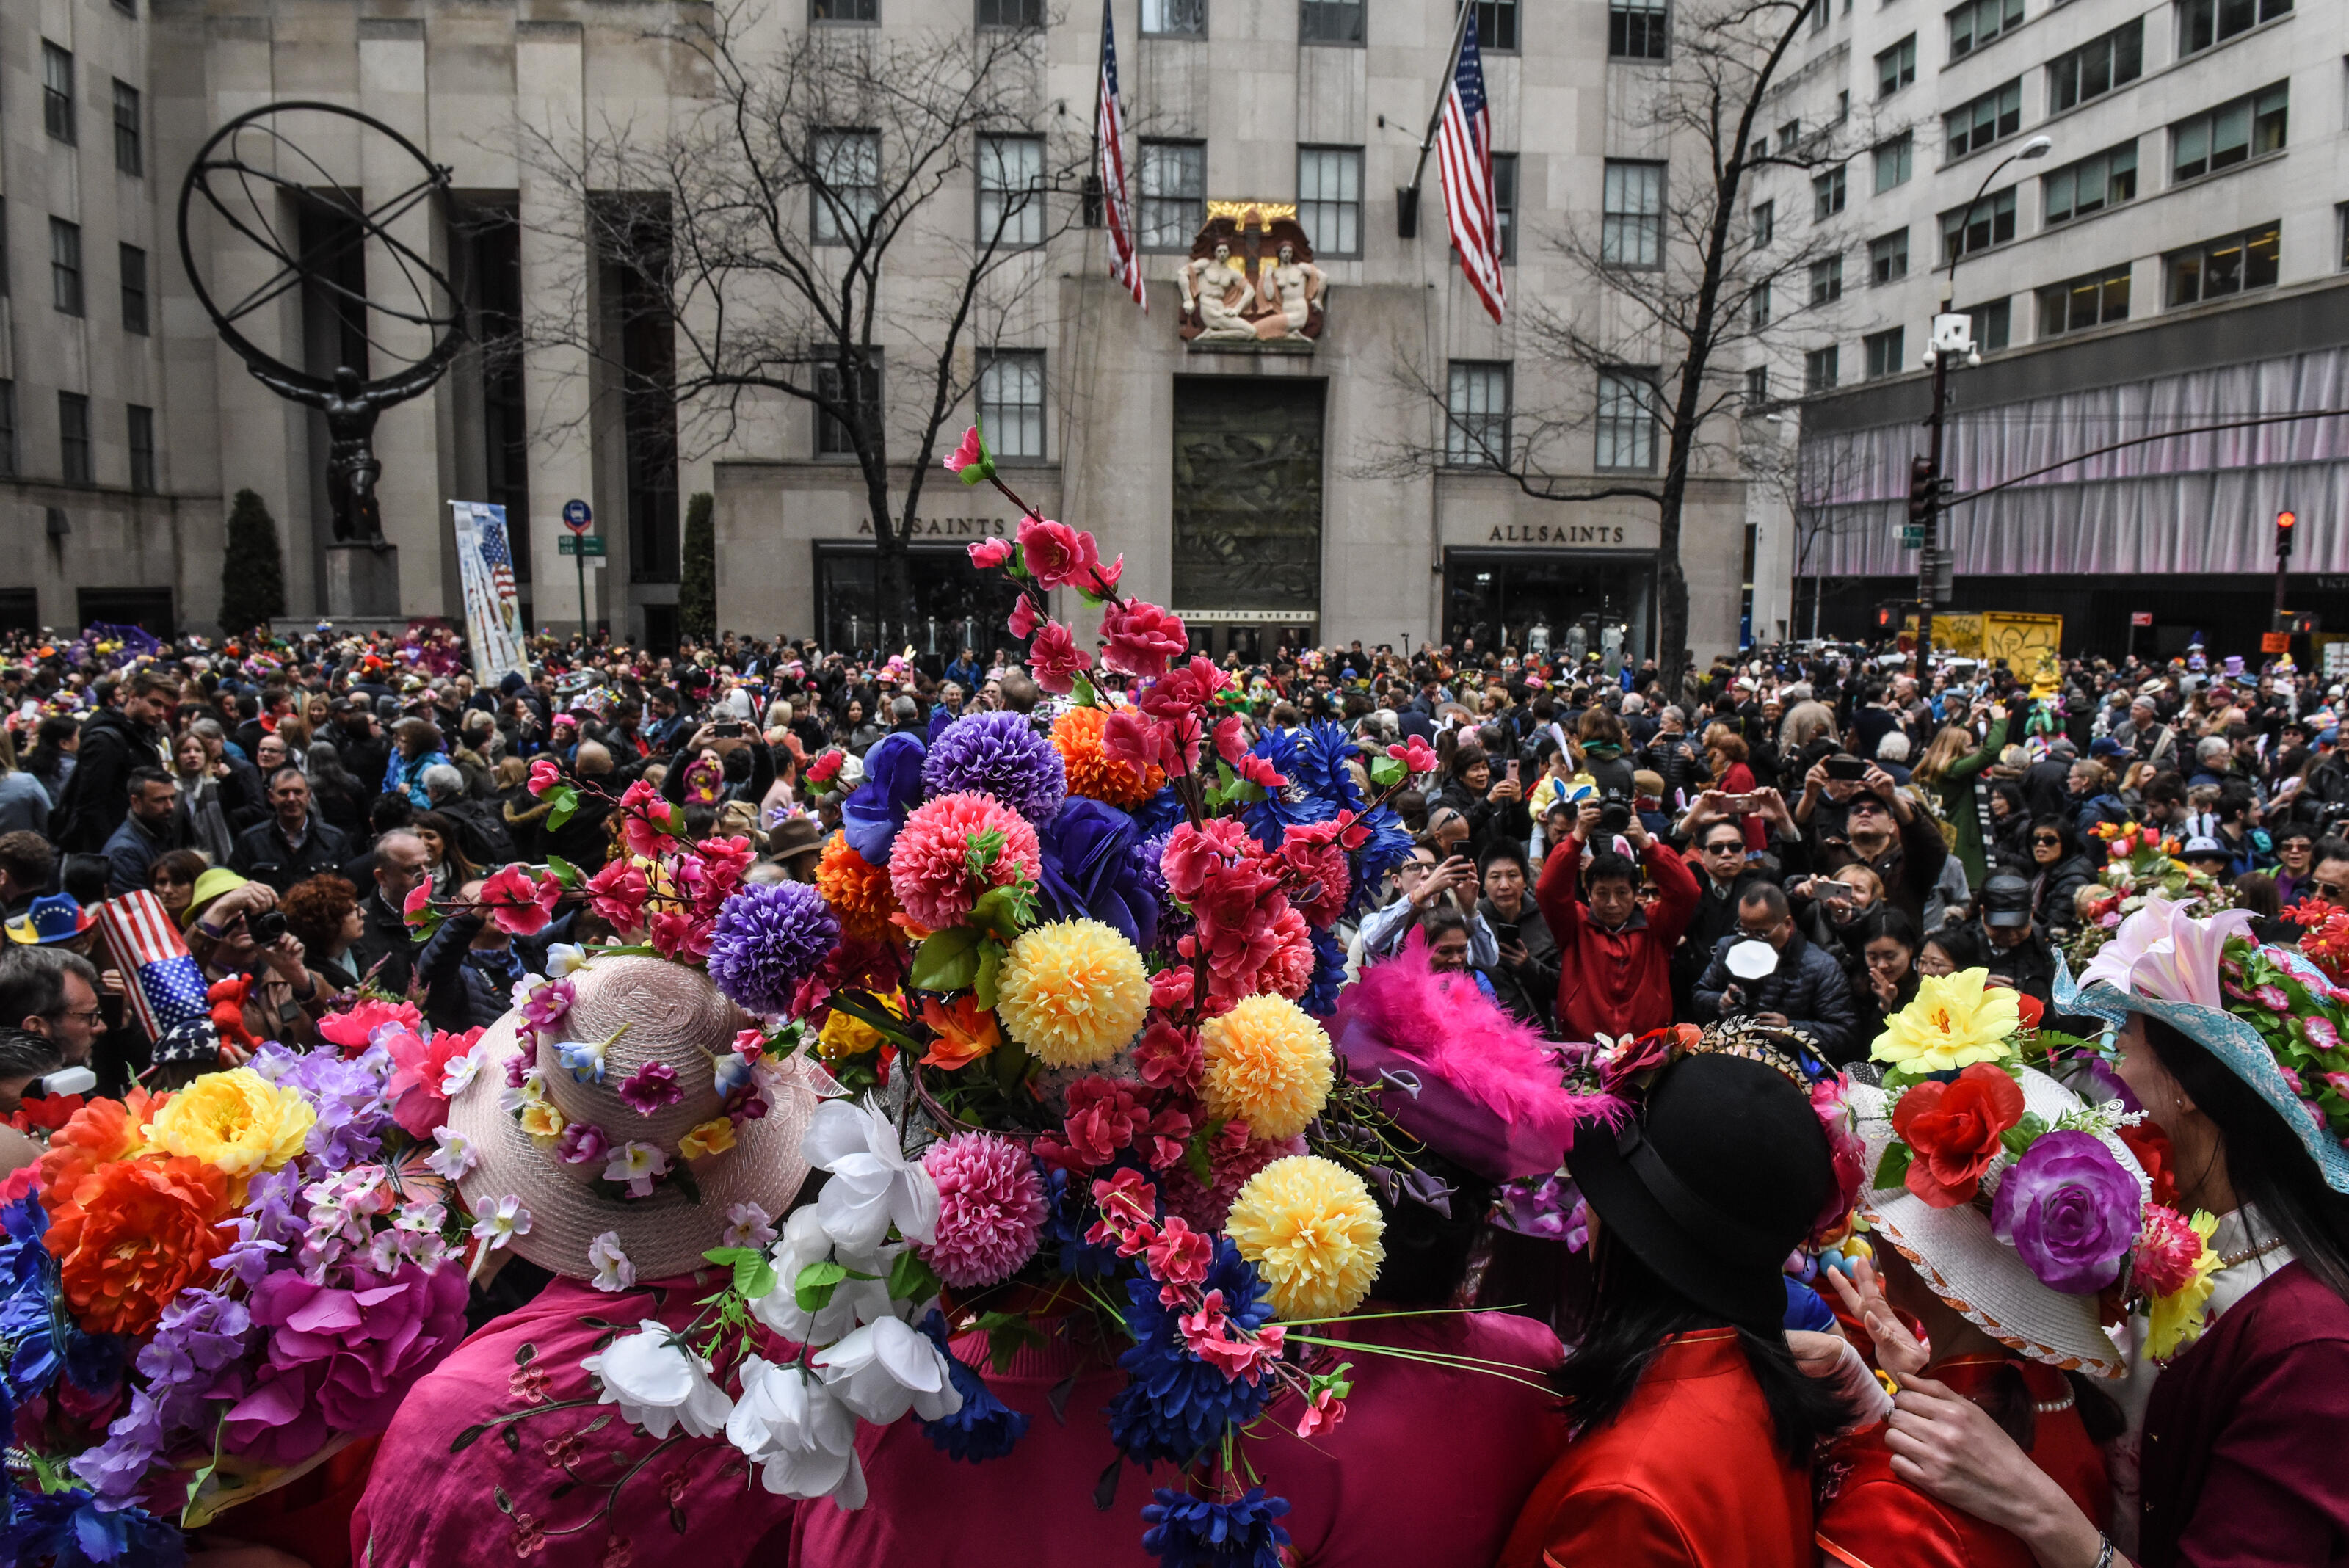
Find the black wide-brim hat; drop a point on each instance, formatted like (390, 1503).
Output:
(1713, 1182)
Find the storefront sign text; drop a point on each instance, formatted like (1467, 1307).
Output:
(949, 527)
(1557, 534)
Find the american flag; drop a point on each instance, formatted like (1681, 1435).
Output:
(490, 523)
(1463, 144)
(1109, 133)
(167, 987)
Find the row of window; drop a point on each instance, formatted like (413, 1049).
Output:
(2094, 67)
(75, 458)
(1011, 403)
(1171, 186)
(67, 294)
(1477, 409)
(1635, 28)
(2215, 269)
(60, 117)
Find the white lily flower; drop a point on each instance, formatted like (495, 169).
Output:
(497, 1226)
(873, 1184)
(854, 1301)
(460, 1071)
(530, 1091)
(658, 1384)
(563, 959)
(455, 1158)
(887, 1368)
(638, 1164)
(790, 1423)
(614, 1273)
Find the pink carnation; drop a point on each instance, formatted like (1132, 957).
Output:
(520, 905)
(1141, 639)
(1168, 1057)
(1290, 969)
(929, 864)
(1055, 660)
(353, 1029)
(645, 817)
(1055, 552)
(990, 1210)
(991, 552)
(618, 893)
(2166, 1251)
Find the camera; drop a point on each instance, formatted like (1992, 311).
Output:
(728, 729)
(1614, 818)
(266, 926)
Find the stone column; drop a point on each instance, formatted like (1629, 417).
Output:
(415, 513)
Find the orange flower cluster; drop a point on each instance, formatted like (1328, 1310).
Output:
(1092, 772)
(100, 1133)
(858, 892)
(132, 1235)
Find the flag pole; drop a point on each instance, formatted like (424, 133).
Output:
(1099, 85)
(1407, 199)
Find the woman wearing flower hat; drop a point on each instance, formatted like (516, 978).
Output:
(2235, 1052)
(568, 1130)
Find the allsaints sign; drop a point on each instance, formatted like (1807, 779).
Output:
(950, 528)
(1556, 533)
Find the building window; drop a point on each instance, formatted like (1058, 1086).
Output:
(7, 430)
(1496, 26)
(1476, 410)
(1997, 113)
(73, 439)
(1820, 368)
(1012, 402)
(833, 436)
(128, 155)
(1896, 67)
(1757, 386)
(1627, 420)
(4, 289)
(1635, 29)
(2085, 301)
(1761, 305)
(2230, 134)
(1989, 222)
(1011, 191)
(2096, 67)
(2221, 267)
(1893, 162)
(1993, 325)
(127, 7)
(1011, 13)
(1790, 135)
(2342, 214)
(1173, 18)
(1330, 21)
(1765, 224)
(1505, 202)
(142, 449)
(58, 91)
(1826, 194)
(1329, 199)
(1827, 281)
(1820, 11)
(1884, 355)
(2202, 23)
(1632, 226)
(847, 188)
(134, 289)
(1888, 257)
(65, 267)
(2091, 185)
(1174, 183)
(1977, 22)
(844, 10)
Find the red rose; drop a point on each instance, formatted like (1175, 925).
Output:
(1952, 1131)
(1141, 638)
(2151, 1147)
(1055, 552)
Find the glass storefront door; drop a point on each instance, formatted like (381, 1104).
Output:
(1552, 602)
(955, 603)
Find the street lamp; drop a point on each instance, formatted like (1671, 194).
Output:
(1952, 334)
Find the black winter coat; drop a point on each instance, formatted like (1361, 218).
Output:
(1807, 987)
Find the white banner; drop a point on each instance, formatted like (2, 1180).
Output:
(493, 612)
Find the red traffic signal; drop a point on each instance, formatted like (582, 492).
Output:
(1922, 489)
(2285, 521)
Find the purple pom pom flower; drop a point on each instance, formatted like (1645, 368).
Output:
(999, 755)
(766, 940)
(2071, 1211)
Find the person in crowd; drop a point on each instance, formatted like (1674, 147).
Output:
(56, 740)
(2010, 825)
(206, 788)
(448, 866)
(479, 822)
(27, 862)
(2061, 867)
(1444, 932)
(1615, 958)
(25, 803)
(385, 948)
(1526, 979)
(283, 998)
(1804, 989)
(1722, 872)
(1888, 833)
(149, 829)
(1828, 910)
(294, 842)
(340, 798)
(123, 736)
(1427, 879)
(2012, 945)
(467, 968)
(415, 747)
(173, 879)
(1674, 758)
(1892, 951)
(50, 991)
(2295, 848)
(24, 1058)
(323, 912)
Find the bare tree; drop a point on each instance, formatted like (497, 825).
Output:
(1680, 274)
(797, 221)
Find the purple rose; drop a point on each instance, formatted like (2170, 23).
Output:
(2071, 1211)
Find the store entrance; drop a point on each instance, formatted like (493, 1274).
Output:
(1554, 604)
(1254, 642)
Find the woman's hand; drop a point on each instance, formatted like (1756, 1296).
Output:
(1948, 1447)
(1898, 1351)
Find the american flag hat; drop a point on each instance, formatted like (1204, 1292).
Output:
(164, 982)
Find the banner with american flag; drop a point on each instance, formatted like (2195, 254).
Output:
(165, 989)
(1109, 135)
(493, 609)
(1463, 145)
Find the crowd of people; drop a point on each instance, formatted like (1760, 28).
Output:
(1777, 856)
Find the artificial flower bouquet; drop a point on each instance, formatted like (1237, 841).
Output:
(2140, 864)
(2082, 1220)
(204, 1292)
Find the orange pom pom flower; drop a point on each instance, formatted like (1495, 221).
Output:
(858, 892)
(1092, 772)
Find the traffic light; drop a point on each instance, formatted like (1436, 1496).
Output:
(2285, 523)
(1922, 490)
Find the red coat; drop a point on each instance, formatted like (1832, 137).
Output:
(1686, 1475)
(1615, 982)
(1875, 1519)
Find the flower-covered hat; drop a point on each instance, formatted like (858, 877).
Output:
(2270, 1015)
(615, 1107)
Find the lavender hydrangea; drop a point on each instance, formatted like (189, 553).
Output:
(1000, 755)
(353, 1113)
(769, 938)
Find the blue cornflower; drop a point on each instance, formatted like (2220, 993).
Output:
(1188, 1531)
(1175, 1406)
(1065, 1224)
(1320, 998)
(70, 1530)
(1159, 813)
(985, 1428)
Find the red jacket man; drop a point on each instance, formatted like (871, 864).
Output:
(1616, 977)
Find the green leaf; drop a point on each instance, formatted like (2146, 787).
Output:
(1002, 911)
(1248, 790)
(948, 961)
(991, 955)
(1082, 694)
(1386, 771)
(1225, 778)
(911, 1279)
(1194, 1153)
(1005, 1332)
(522, 1357)
(816, 1282)
(1010, 1061)
(564, 802)
(1892, 1170)
(564, 872)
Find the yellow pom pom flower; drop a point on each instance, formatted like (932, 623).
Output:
(1073, 993)
(715, 1136)
(1956, 1021)
(1313, 1233)
(2173, 1320)
(1267, 1065)
(237, 1122)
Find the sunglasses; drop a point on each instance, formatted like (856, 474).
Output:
(2046, 840)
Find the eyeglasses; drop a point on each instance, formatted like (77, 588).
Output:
(2046, 841)
(84, 1015)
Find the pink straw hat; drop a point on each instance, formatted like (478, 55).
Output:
(673, 1016)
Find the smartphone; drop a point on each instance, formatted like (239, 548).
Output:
(1506, 933)
(727, 728)
(1741, 804)
(1513, 770)
(1849, 770)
